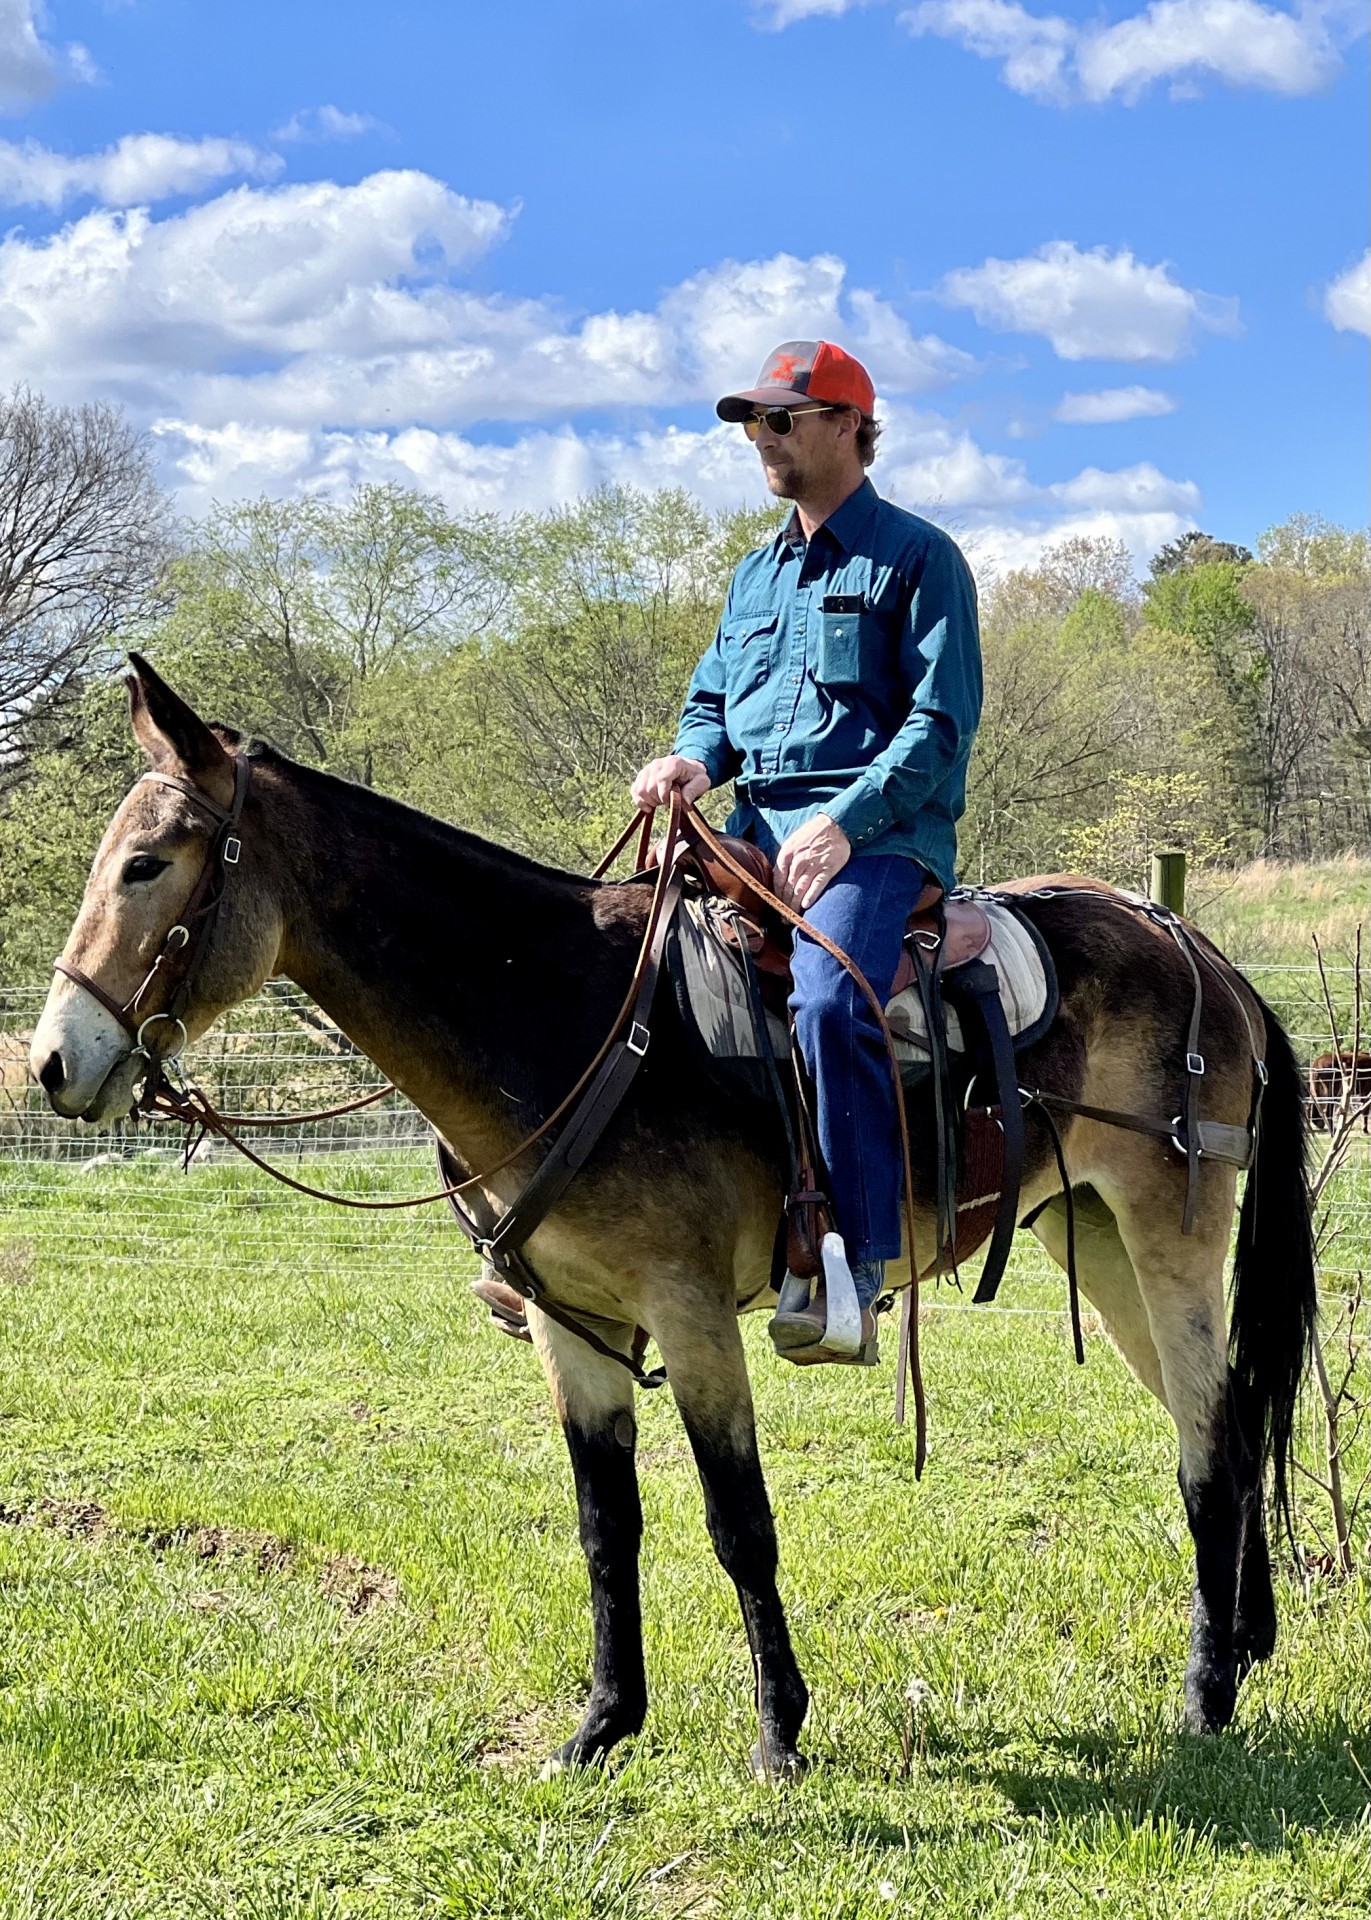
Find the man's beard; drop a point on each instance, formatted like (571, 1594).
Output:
(785, 481)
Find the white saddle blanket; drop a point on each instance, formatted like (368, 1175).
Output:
(717, 991)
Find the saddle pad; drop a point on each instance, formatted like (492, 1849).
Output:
(713, 992)
(1015, 951)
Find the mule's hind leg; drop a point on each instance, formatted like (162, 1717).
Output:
(1254, 1630)
(1107, 1278)
(1180, 1278)
(703, 1350)
(594, 1400)
(1111, 1286)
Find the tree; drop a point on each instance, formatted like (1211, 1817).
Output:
(1307, 543)
(1196, 549)
(291, 613)
(84, 538)
(616, 598)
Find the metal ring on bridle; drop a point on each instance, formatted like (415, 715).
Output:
(141, 1046)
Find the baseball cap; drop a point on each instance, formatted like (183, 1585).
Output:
(803, 372)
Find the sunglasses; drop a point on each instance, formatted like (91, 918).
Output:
(781, 420)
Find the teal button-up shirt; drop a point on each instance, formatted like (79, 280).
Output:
(845, 677)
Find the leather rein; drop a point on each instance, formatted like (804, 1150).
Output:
(591, 1102)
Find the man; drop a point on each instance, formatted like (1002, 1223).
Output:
(842, 694)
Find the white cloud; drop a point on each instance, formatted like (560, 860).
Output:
(31, 68)
(1035, 50)
(989, 501)
(1111, 404)
(140, 168)
(1239, 42)
(784, 13)
(299, 306)
(326, 123)
(301, 338)
(1347, 302)
(1090, 305)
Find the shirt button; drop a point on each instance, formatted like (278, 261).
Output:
(779, 727)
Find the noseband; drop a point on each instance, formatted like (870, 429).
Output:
(185, 945)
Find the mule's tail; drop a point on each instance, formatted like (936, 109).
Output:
(1274, 1297)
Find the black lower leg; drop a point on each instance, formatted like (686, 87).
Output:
(1214, 1509)
(611, 1521)
(738, 1514)
(1254, 1632)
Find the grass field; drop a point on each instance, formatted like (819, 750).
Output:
(292, 1608)
(1268, 909)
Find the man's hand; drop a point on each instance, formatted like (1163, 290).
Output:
(653, 787)
(808, 861)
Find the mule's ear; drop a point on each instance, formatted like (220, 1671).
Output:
(173, 736)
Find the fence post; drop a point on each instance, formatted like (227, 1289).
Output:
(1168, 880)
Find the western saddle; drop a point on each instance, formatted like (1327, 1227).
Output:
(964, 933)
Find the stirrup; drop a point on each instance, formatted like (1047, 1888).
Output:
(795, 1327)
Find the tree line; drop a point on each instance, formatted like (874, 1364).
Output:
(510, 672)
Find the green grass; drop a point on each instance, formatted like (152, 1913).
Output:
(292, 1608)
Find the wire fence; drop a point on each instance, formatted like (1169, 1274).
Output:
(118, 1194)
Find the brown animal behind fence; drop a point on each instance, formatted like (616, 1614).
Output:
(1339, 1076)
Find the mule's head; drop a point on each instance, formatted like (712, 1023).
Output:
(146, 872)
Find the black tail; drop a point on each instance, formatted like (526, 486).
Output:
(1274, 1300)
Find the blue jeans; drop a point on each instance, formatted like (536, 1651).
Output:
(863, 911)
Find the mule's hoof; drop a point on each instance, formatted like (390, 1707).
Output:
(778, 1768)
(1209, 1704)
(571, 1757)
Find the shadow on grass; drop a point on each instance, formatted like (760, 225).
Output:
(1242, 1789)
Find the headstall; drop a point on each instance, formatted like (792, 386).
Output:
(185, 944)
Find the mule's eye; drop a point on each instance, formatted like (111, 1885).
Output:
(143, 866)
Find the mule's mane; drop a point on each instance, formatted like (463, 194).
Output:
(380, 816)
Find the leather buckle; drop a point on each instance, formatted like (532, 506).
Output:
(638, 1037)
(1262, 1075)
(1194, 1063)
(233, 847)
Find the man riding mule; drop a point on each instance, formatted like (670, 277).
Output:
(841, 694)
(481, 983)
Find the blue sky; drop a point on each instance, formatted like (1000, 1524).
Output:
(1108, 267)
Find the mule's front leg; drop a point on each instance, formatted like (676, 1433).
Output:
(708, 1375)
(595, 1405)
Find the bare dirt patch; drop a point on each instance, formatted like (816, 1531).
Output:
(18, 1263)
(356, 1585)
(267, 1551)
(77, 1519)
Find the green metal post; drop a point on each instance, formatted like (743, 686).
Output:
(1168, 880)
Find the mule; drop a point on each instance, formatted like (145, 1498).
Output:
(480, 982)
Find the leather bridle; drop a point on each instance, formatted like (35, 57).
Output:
(185, 945)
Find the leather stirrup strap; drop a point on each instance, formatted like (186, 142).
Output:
(979, 982)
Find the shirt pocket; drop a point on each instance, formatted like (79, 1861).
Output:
(748, 641)
(851, 647)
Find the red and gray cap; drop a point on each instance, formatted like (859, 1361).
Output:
(804, 373)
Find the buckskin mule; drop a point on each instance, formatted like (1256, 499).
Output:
(481, 983)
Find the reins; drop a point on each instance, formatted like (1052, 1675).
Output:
(599, 1089)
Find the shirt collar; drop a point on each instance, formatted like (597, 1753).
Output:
(845, 523)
